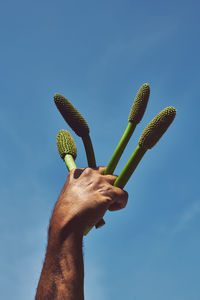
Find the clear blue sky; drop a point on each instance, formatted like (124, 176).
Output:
(98, 54)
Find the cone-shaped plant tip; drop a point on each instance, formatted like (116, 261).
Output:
(136, 113)
(150, 136)
(66, 144)
(157, 127)
(139, 105)
(76, 121)
(71, 115)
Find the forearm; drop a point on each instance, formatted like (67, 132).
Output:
(62, 274)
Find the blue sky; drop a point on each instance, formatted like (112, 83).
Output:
(98, 54)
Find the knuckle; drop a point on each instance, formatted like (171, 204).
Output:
(71, 173)
(111, 178)
(99, 180)
(88, 171)
(125, 195)
(106, 201)
(122, 194)
(101, 169)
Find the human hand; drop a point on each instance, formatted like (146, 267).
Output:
(85, 197)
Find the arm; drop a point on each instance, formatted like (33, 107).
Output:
(85, 197)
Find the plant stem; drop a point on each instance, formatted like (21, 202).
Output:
(92, 164)
(117, 154)
(120, 148)
(130, 167)
(89, 151)
(69, 161)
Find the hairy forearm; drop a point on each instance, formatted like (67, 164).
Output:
(62, 274)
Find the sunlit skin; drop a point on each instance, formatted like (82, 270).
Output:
(84, 199)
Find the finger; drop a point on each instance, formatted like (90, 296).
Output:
(110, 178)
(117, 206)
(101, 170)
(120, 200)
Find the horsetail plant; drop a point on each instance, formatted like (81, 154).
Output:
(136, 113)
(78, 124)
(149, 137)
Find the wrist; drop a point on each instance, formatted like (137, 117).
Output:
(63, 233)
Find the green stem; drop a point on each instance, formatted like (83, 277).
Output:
(89, 151)
(120, 148)
(130, 167)
(92, 164)
(69, 161)
(117, 154)
(100, 223)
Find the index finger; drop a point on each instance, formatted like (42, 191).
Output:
(101, 170)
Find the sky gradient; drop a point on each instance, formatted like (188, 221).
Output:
(98, 54)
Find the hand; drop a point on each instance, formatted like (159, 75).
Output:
(85, 197)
